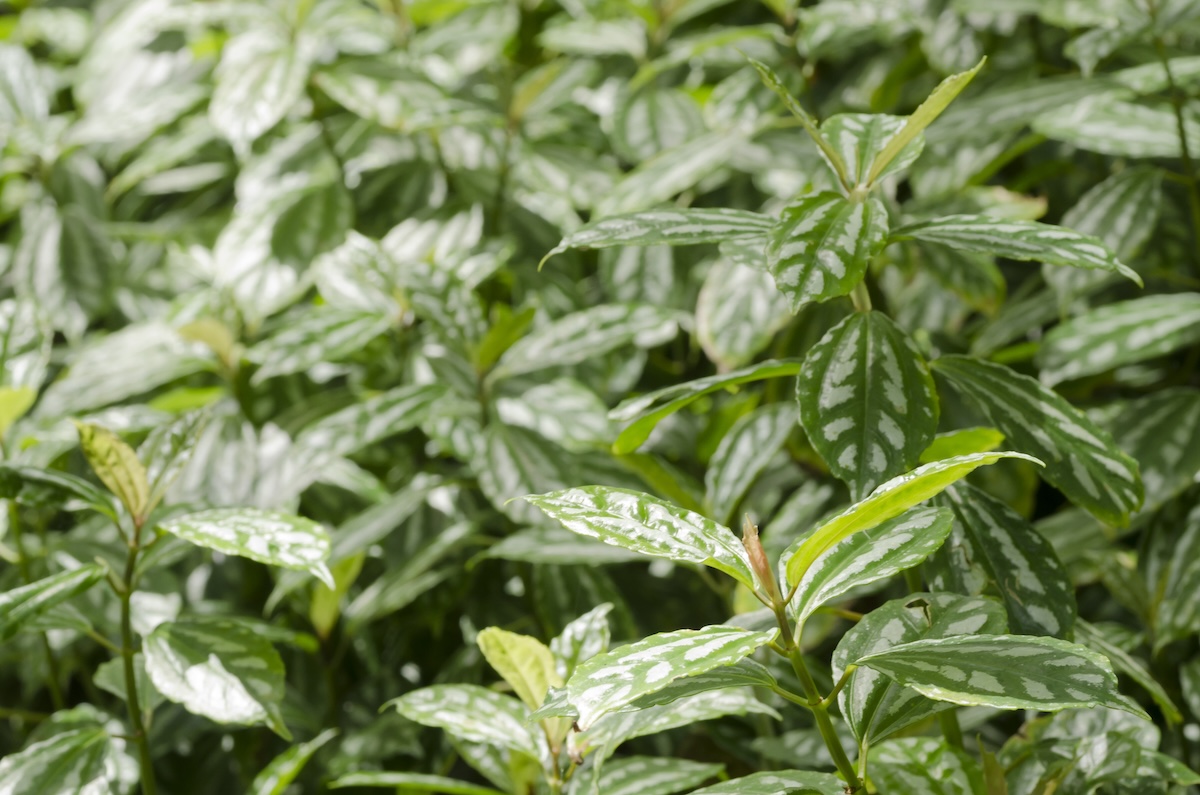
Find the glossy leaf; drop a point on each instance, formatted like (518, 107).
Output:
(1118, 334)
(1018, 240)
(874, 705)
(261, 75)
(870, 556)
(1079, 458)
(1109, 125)
(924, 764)
(644, 412)
(471, 713)
(581, 639)
(964, 442)
(744, 453)
(670, 172)
(524, 662)
(743, 673)
(861, 138)
(36, 486)
(683, 227)
(555, 545)
(373, 419)
(20, 605)
(1005, 671)
(70, 761)
(867, 401)
(322, 335)
(647, 525)
(888, 501)
(218, 668)
(612, 681)
(822, 244)
(738, 312)
(270, 537)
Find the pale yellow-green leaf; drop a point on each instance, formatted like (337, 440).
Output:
(14, 402)
(117, 466)
(326, 604)
(525, 663)
(962, 442)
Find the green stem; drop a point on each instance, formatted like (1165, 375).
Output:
(824, 724)
(950, 728)
(912, 578)
(860, 297)
(23, 714)
(52, 669)
(127, 652)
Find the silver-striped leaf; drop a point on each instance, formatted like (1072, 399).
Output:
(779, 782)
(822, 244)
(1080, 458)
(401, 782)
(74, 761)
(218, 668)
(1033, 584)
(261, 76)
(1160, 432)
(349, 430)
(612, 681)
(581, 639)
(516, 461)
(23, 604)
(586, 334)
(870, 556)
(874, 705)
(644, 412)
(738, 312)
(1123, 662)
(36, 486)
(473, 714)
(1018, 240)
(323, 334)
(559, 547)
(867, 401)
(928, 765)
(888, 501)
(1118, 334)
(861, 137)
(1004, 671)
(647, 525)
(277, 776)
(654, 775)
(666, 227)
(743, 673)
(1110, 125)
(271, 537)
(744, 453)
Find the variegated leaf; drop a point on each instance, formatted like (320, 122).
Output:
(778, 782)
(867, 401)
(822, 244)
(860, 138)
(583, 638)
(612, 681)
(1018, 240)
(324, 334)
(1160, 432)
(870, 556)
(1036, 590)
(927, 765)
(874, 705)
(654, 775)
(738, 312)
(360, 425)
(586, 334)
(261, 76)
(743, 673)
(647, 525)
(20, 605)
(1079, 457)
(1118, 334)
(1005, 671)
(644, 412)
(36, 486)
(218, 668)
(271, 537)
(558, 546)
(744, 452)
(888, 501)
(74, 761)
(277, 776)
(401, 782)
(667, 227)
(516, 461)
(1107, 124)
(474, 714)
(1123, 662)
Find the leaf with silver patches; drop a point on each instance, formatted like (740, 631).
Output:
(924, 764)
(1160, 432)
(744, 453)
(778, 782)
(23, 604)
(473, 714)
(668, 227)
(74, 761)
(654, 775)
(738, 312)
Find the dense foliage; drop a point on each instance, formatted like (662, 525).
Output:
(381, 383)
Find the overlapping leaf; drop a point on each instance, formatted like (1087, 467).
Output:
(20, 605)
(745, 452)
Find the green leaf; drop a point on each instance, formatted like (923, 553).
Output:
(1092, 637)
(277, 776)
(963, 442)
(647, 525)
(888, 501)
(1036, 590)
(260, 78)
(110, 676)
(822, 245)
(325, 334)
(473, 714)
(668, 227)
(1109, 125)
(411, 781)
(1157, 430)
(870, 556)
(644, 412)
(524, 662)
(35, 486)
(117, 466)
(875, 706)
(1005, 671)
(1118, 334)
(1018, 240)
(924, 764)
(611, 681)
(22, 604)
(654, 775)
(778, 782)
(922, 117)
(867, 401)
(75, 760)
(277, 539)
(218, 668)
(744, 453)
(560, 547)
(587, 334)
(1079, 458)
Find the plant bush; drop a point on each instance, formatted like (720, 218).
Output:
(316, 479)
